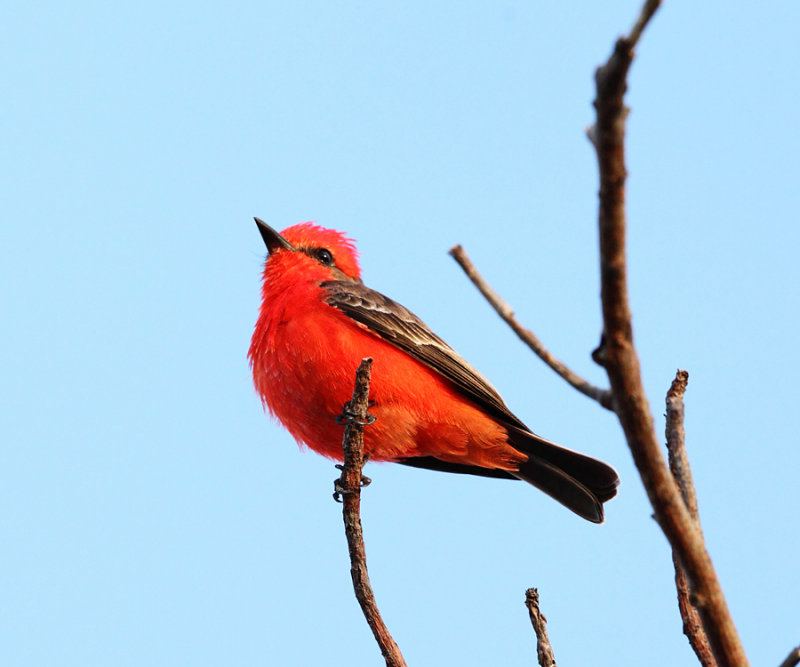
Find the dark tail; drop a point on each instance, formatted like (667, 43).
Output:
(578, 482)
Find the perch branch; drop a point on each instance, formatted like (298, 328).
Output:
(348, 487)
(544, 651)
(622, 363)
(602, 396)
(682, 473)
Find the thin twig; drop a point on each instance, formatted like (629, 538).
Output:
(682, 473)
(544, 651)
(348, 486)
(676, 443)
(602, 396)
(622, 363)
(792, 659)
(642, 20)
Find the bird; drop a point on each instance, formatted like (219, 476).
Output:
(432, 409)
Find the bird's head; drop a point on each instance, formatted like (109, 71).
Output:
(316, 252)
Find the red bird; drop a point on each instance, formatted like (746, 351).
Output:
(433, 410)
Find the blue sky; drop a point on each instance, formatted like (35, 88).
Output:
(150, 513)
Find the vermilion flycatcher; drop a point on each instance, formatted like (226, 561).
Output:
(433, 410)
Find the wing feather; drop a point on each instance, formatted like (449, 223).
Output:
(400, 327)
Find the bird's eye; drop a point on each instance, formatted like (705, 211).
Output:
(324, 256)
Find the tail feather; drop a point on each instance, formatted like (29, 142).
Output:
(600, 478)
(577, 481)
(560, 486)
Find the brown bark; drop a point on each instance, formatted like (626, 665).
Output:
(544, 651)
(682, 474)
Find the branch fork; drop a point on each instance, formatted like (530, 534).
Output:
(674, 507)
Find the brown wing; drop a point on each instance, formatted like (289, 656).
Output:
(399, 326)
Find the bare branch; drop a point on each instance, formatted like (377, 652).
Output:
(348, 486)
(642, 20)
(692, 624)
(544, 651)
(676, 443)
(792, 659)
(622, 363)
(681, 472)
(602, 396)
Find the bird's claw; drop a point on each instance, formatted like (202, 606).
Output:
(340, 490)
(349, 417)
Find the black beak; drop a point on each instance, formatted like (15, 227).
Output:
(272, 239)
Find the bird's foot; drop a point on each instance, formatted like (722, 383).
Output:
(340, 490)
(349, 417)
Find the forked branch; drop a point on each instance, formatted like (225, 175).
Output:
(621, 360)
(602, 396)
